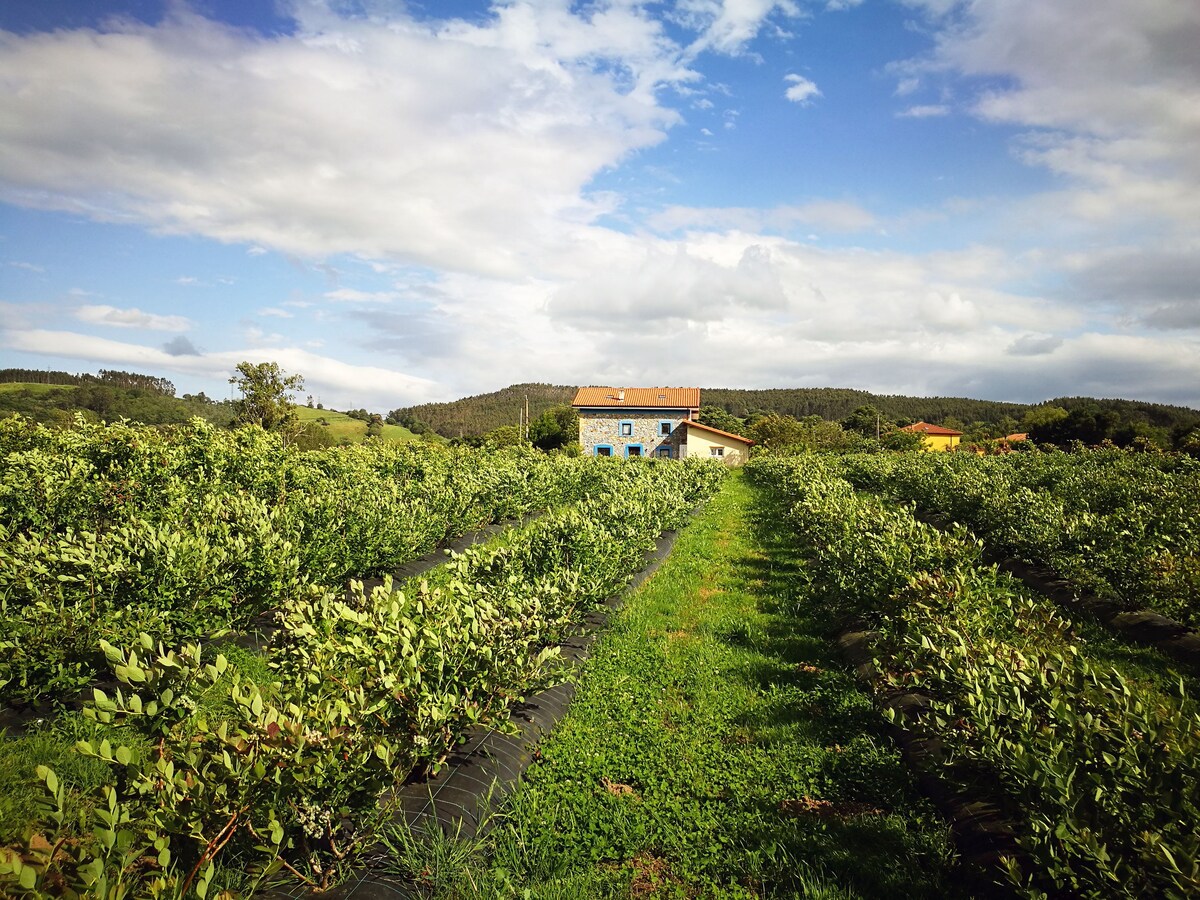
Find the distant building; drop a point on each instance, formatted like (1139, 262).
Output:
(660, 422)
(936, 437)
(704, 440)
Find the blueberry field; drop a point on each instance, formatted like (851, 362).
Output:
(214, 671)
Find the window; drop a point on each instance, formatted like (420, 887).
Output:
(716, 451)
(604, 450)
(633, 450)
(626, 429)
(664, 427)
(664, 452)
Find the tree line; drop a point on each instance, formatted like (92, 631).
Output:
(1058, 421)
(835, 418)
(110, 377)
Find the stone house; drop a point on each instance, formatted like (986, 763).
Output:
(650, 422)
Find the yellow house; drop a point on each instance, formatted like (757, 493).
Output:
(936, 437)
(708, 442)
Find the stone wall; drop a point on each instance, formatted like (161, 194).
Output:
(604, 428)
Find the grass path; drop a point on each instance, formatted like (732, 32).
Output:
(716, 748)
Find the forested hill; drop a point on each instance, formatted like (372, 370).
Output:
(835, 404)
(473, 416)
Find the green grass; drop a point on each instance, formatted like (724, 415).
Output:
(51, 743)
(717, 748)
(12, 387)
(354, 430)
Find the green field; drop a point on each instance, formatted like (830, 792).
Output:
(355, 430)
(12, 387)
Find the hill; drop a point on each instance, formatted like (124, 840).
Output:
(479, 414)
(57, 403)
(341, 426)
(473, 416)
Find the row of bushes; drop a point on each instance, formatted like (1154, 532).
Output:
(223, 782)
(1098, 772)
(109, 531)
(1124, 525)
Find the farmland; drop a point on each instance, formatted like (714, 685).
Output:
(1088, 751)
(133, 556)
(201, 695)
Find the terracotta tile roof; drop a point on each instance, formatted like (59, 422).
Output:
(934, 430)
(1022, 436)
(638, 398)
(709, 428)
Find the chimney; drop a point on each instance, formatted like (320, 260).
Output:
(620, 395)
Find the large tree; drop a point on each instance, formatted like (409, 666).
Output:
(716, 417)
(556, 427)
(267, 396)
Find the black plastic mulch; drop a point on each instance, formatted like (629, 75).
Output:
(487, 765)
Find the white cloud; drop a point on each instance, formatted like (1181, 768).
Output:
(130, 318)
(336, 381)
(924, 112)
(1112, 108)
(833, 215)
(349, 295)
(802, 90)
(275, 312)
(728, 26)
(397, 139)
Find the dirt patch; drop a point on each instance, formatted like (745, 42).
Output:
(617, 789)
(651, 874)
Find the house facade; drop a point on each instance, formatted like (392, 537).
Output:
(635, 421)
(936, 437)
(704, 440)
(626, 422)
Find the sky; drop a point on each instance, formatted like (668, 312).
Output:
(418, 201)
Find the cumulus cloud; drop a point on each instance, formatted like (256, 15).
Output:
(457, 159)
(180, 346)
(130, 318)
(924, 112)
(1034, 345)
(336, 381)
(802, 90)
(1113, 107)
(404, 140)
(672, 286)
(1157, 287)
(832, 215)
(349, 295)
(728, 26)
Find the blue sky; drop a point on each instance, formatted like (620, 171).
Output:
(418, 201)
